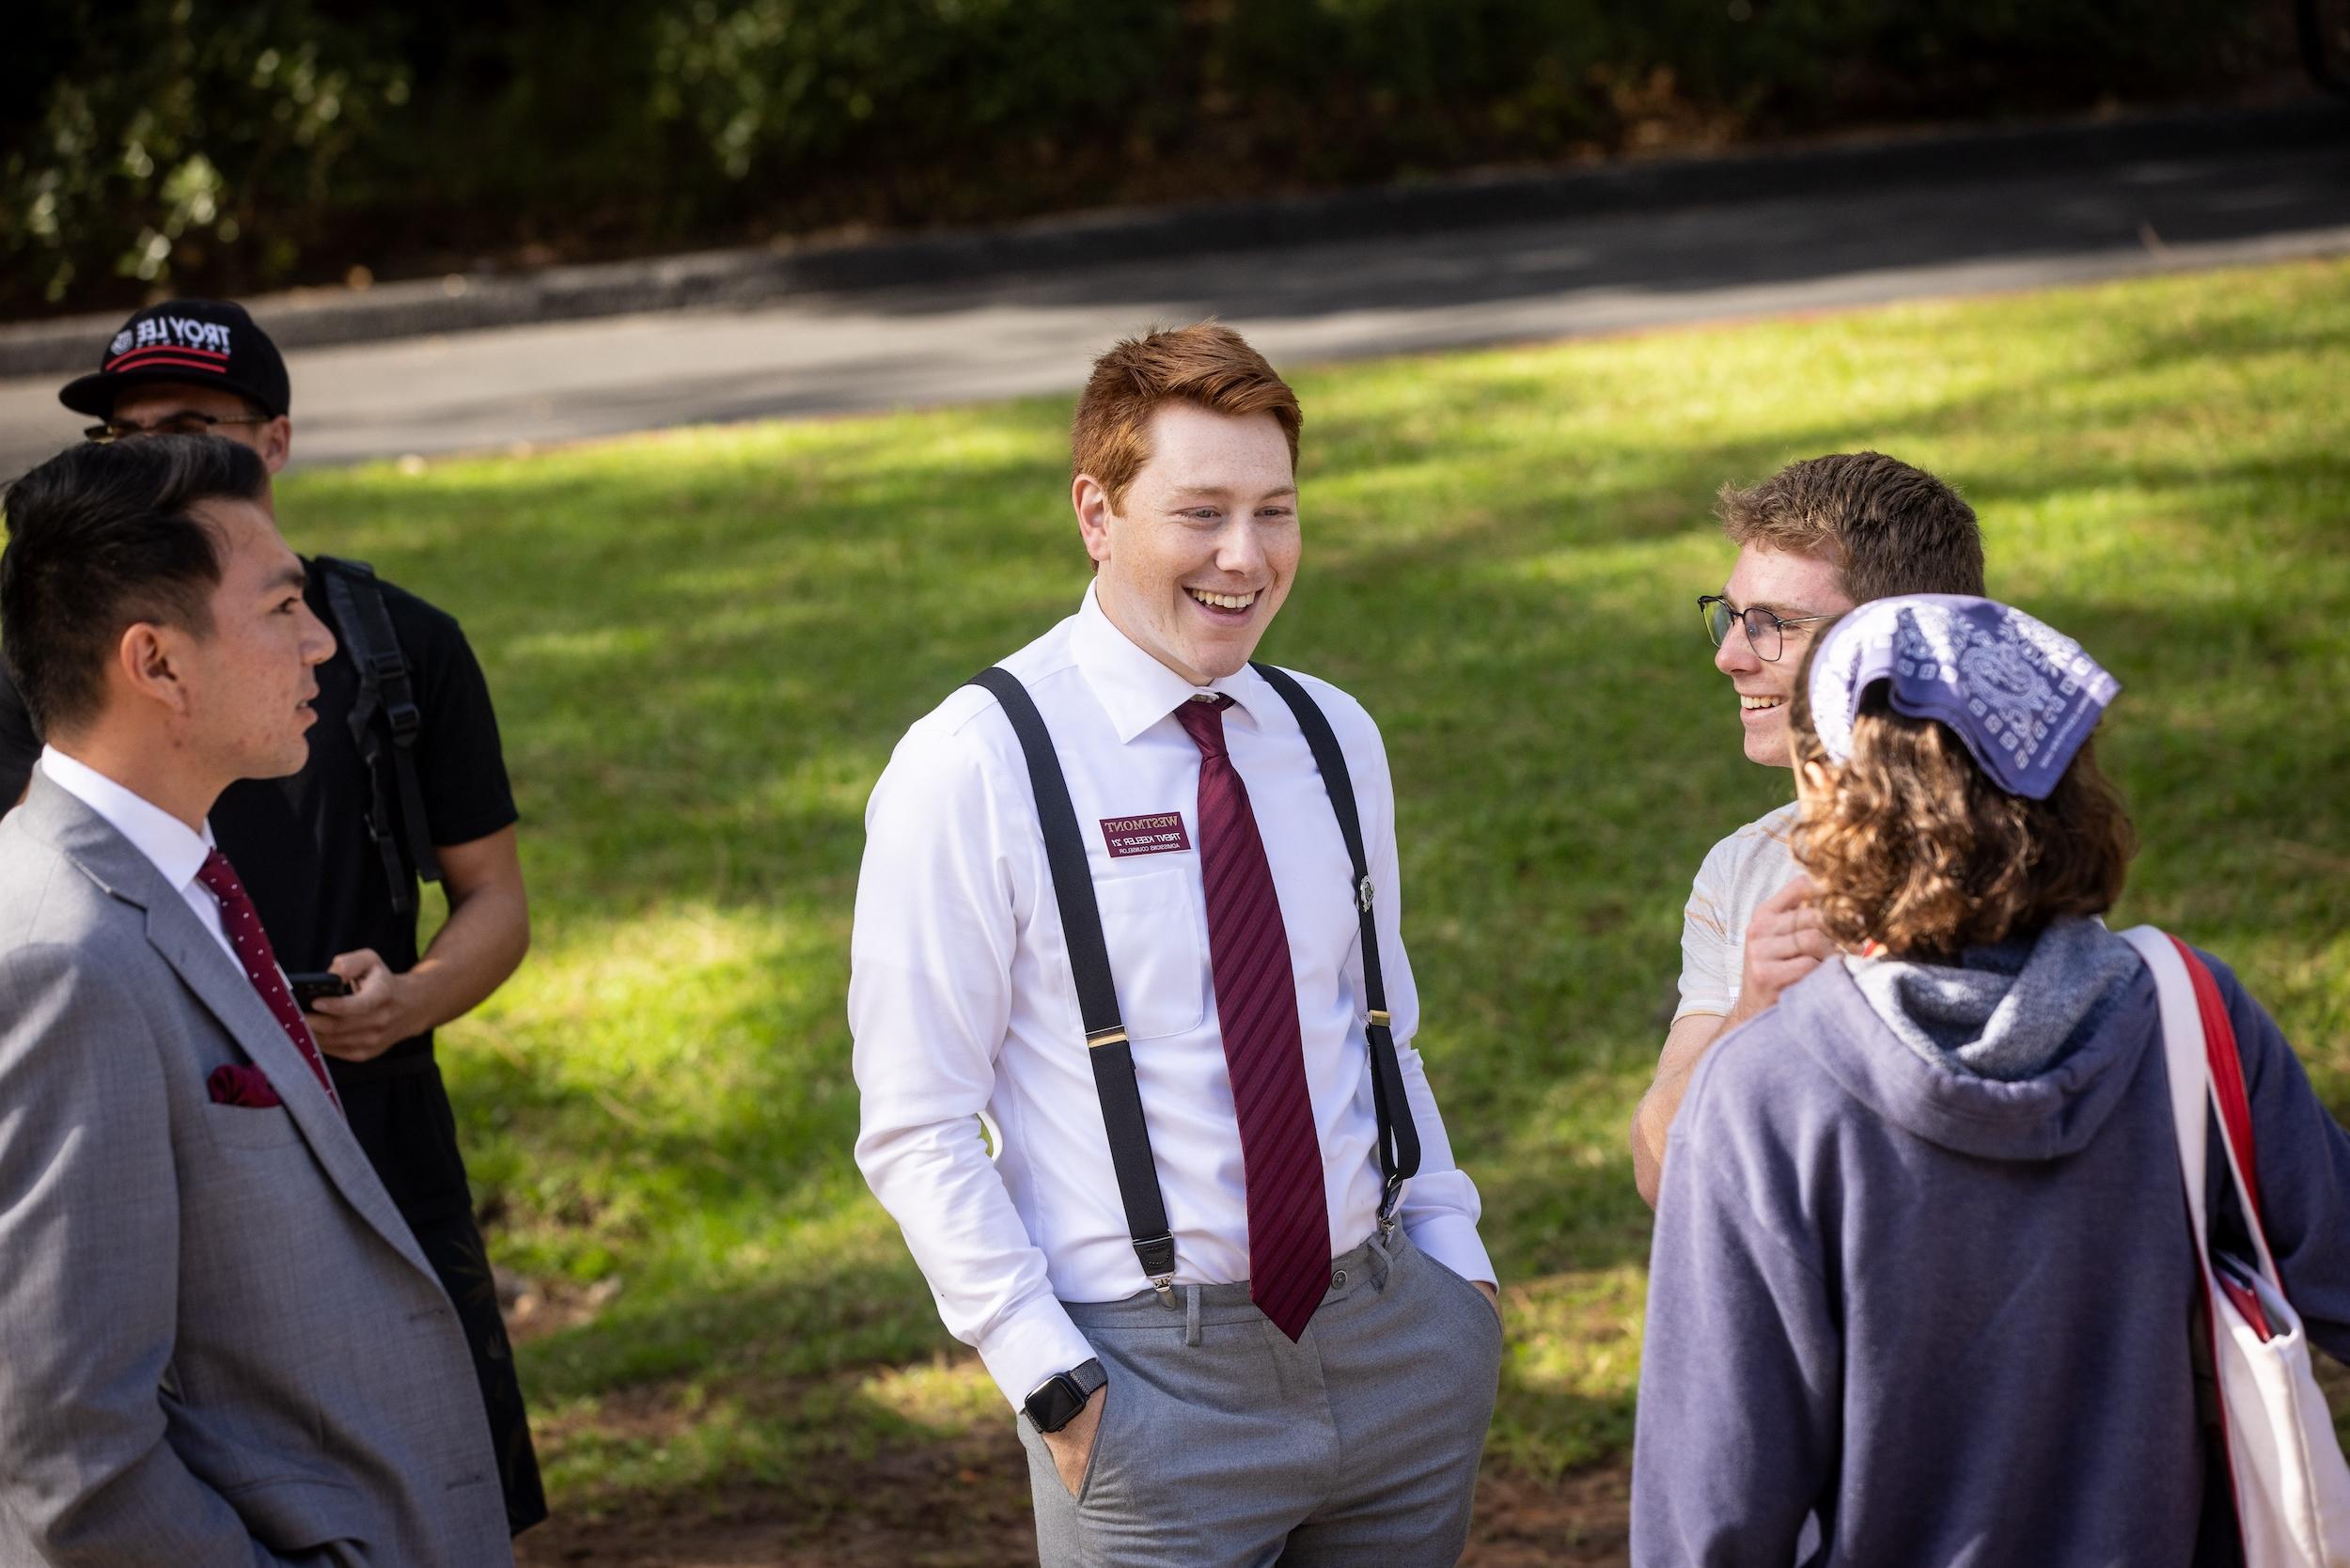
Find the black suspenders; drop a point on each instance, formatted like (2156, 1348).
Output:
(1107, 1047)
(1399, 1139)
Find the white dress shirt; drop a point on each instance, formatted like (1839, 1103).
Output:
(961, 1001)
(176, 851)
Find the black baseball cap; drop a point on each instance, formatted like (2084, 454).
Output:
(194, 342)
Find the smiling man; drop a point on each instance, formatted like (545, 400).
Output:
(219, 1342)
(1814, 540)
(1132, 901)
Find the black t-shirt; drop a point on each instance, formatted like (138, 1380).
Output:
(301, 844)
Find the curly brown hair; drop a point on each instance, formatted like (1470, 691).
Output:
(1915, 847)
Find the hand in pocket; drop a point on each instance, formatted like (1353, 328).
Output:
(1071, 1447)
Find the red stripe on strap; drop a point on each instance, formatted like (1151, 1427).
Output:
(151, 358)
(2247, 1303)
(2227, 1074)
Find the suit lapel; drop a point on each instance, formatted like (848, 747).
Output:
(117, 866)
(190, 949)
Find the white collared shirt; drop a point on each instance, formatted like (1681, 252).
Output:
(176, 851)
(960, 998)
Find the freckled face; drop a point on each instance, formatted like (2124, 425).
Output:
(1200, 551)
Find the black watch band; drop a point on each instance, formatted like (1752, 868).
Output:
(1055, 1402)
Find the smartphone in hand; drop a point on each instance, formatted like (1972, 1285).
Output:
(309, 988)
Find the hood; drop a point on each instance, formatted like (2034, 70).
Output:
(2065, 1025)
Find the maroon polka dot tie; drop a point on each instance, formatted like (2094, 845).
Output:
(243, 923)
(1256, 1006)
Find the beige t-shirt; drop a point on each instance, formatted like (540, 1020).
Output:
(1738, 874)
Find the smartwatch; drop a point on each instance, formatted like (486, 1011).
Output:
(1055, 1402)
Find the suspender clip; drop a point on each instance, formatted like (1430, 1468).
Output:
(1362, 893)
(1156, 1254)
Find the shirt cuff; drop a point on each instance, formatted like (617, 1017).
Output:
(1452, 1240)
(1029, 1346)
(1708, 1007)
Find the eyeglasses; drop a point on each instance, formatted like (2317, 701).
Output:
(178, 424)
(1767, 633)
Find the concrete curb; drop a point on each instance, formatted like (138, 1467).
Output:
(312, 318)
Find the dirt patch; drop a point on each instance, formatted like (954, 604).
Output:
(965, 1504)
(961, 1503)
(956, 1498)
(1582, 1519)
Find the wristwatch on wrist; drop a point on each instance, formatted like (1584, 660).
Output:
(1055, 1402)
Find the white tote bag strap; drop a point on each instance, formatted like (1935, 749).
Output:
(2292, 1488)
(2183, 1052)
(2239, 1157)
(2188, 1050)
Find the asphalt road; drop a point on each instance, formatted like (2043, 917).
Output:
(842, 352)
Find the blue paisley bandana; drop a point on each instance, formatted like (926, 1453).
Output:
(2022, 695)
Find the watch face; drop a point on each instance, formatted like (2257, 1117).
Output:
(1054, 1402)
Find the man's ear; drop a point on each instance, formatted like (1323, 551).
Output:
(277, 442)
(147, 665)
(1094, 511)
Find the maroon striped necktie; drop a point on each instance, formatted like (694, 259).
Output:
(1255, 1005)
(243, 923)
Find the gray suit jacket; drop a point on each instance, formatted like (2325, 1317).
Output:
(219, 1343)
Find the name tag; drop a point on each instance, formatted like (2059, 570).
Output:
(1160, 833)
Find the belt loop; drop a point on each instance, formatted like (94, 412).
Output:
(1378, 1245)
(1191, 1314)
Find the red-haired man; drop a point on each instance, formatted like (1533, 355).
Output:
(1131, 899)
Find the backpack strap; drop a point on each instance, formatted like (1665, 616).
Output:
(385, 687)
(1107, 1047)
(1399, 1139)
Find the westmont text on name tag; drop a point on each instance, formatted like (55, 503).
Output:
(1160, 833)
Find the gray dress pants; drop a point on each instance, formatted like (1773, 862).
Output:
(1223, 1443)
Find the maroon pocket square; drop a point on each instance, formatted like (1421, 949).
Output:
(238, 1083)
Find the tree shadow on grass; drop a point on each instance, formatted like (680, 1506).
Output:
(1573, 770)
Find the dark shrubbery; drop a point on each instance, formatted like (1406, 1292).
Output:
(206, 143)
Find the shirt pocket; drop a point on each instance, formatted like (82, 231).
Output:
(1156, 930)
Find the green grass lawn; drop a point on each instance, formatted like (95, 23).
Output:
(704, 644)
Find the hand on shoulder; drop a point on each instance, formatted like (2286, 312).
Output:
(1785, 942)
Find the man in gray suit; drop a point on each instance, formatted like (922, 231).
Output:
(219, 1344)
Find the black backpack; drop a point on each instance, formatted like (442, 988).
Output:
(388, 748)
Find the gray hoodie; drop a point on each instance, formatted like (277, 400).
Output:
(1920, 1268)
